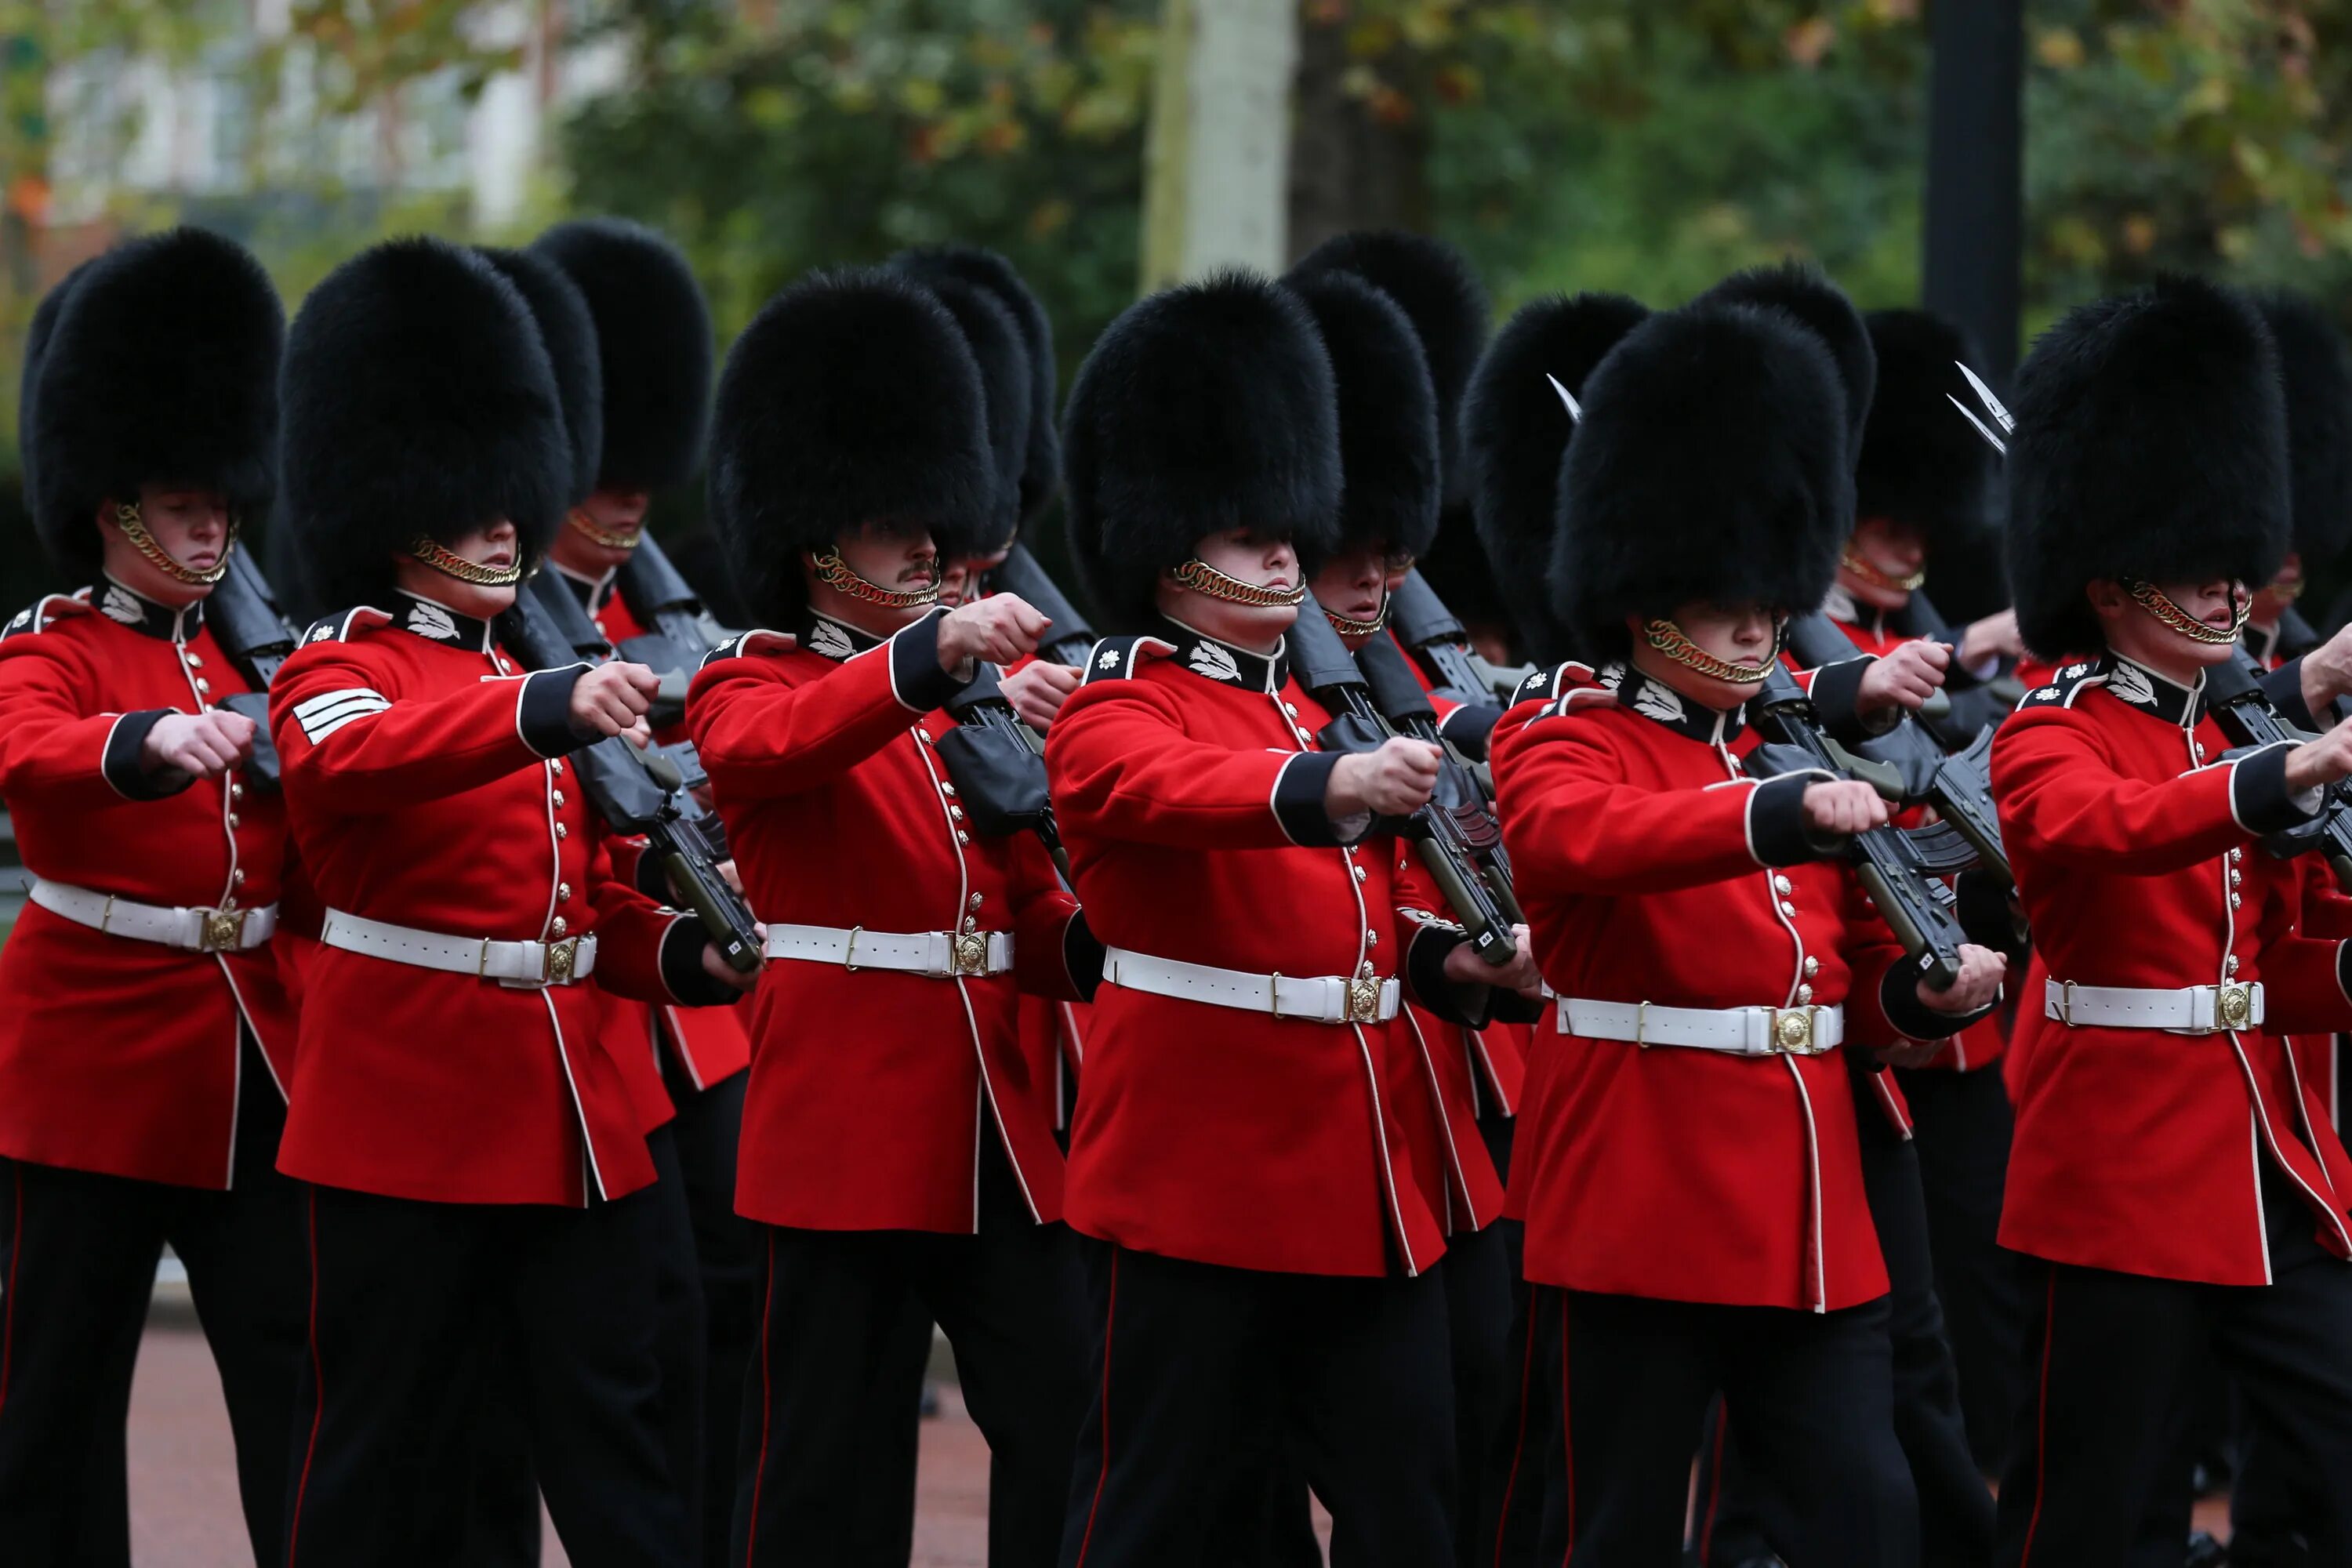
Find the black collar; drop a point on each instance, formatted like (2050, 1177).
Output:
(145, 616)
(1663, 705)
(2152, 693)
(593, 593)
(837, 640)
(437, 622)
(1227, 664)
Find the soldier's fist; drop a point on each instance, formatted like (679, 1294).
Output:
(201, 745)
(1464, 966)
(999, 629)
(1976, 985)
(2316, 764)
(1843, 807)
(1902, 679)
(1394, 781)
(1038, 691)
(610, 699)
(1995, 636)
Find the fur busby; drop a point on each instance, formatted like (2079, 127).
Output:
(653, 336)
(1515, 437)
(569, 334)
(1922, 464)
(852, 396)
(2316, 372)
(1805, 292)
(36, 344)
(1041, 470)
(1389, 471)
(1202, 408)
(994, 339)
(2150, 444)
(1710, 465)
(418, 400)
(156, 360)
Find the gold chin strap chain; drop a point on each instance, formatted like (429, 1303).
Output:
(1207, 581)
(836, 574)
(2152, 599)
(134, 529)
(1348, 627)
(450, 563)
(1668, 639)
(1878, 576)
(578, 518)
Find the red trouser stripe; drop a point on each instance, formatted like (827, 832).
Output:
(319, 1380)
(1110, 1316)
(1519, 1443)
(767, 1332)
(2042, 1421)
(1714, 1486)
(1567, 1429)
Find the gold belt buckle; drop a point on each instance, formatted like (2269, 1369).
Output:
(968, 952)
(1363, 1001)
(223, 930)
(2233, 1004)
(561, 958)
(1793, 1032)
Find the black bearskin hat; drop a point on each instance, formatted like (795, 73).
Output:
(2150, 444)
(996, 347)
(569, 334)
(653, 335)
(1922, 463)
(852, 396)
(1201, 408)
(1388, 470)
(1041, 469)
(155, 361)
(1710, 465)
(2317, 371)
(1433, 284)
(36, 344)
(1802, 290)
(1515, 437)
(418, 400)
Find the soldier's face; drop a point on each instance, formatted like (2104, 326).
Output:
(2281, 591)
(1743, 635)
(1247, 556)
(2141, 636)
(894, 556)
(496, 545)
(191, 525)
(1354, 583)
(614, 514)
(1896, 549)
(959, 579)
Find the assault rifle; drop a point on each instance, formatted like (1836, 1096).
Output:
(1069, 640)
(2247, 715)
(246, 621)
(679, 632)
(1408, 711)
(999, 766)
(1445, 829)
(1434, 637)
(1904, 871)
(650, 792)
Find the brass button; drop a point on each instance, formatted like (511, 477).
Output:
(1812, 966)
(195, 661)
(975, 900)
(556, 796)
(562, 892)
(1780, 885)
(236, 878)
(1787, 908)
(557, 926)
(2236, 877)
(2230, 965)
(232, 819)
(1804, 993)
(1361, 873)
(237, 792)
(1372, 939)
(556, 765)
(561, 831)
(955, 812)
(2235, 900)
(1291, 709)
(925, 737)
(962, 837)
(203, 685)
(947, 789)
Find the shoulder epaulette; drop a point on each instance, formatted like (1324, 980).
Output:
(340, 626)
(1115, 658)
(2067, 682)
(44, 613)
(1546, 684)
(744, 644)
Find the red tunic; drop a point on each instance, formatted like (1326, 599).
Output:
(870, 1089)
(1653, 870)
(426, 788)
(2136, 1150)
(116, 1055)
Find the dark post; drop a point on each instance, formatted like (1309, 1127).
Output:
(1976, 168)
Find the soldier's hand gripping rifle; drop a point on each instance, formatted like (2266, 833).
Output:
(999, 766)
(1434, 637)
(1441, 828)
(1903, 870)
(246, 621)
(681, 634)
(1408, 710)
(1070, 640)
(2247, 715)
(648, 791)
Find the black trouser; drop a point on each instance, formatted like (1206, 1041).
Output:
(1738, 1519)
(77, 1256)
(2116, 1358)
(1962, 1124)
(1192, 1362)
(407, 1300)
(835, 1309)
(1811, 1400)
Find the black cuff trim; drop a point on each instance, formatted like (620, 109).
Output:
(653, 875)
(2283, 687)
(915, 678)
(1299, 802)
(1082, 955)
(2259, 797)
(1425, 974)
(1511, 1007)
(1898, 994)
(1470, 727)
(1837, 697)
(1778, 834)
(124, 767)
(681, 965)
(543, 713)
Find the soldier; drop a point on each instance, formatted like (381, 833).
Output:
(1265, 1241)
(144, 1039)
(2174, 1179)
(1707, 489)
(897, 1149)
(478, 1174)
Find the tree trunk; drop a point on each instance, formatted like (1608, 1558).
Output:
(1355, 161)
(1217, 152)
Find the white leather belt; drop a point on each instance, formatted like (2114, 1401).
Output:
(938, 954)
(1736, 1031)
(194, 930)
(2189, 1010)
(517, 965)
(1330, 999)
